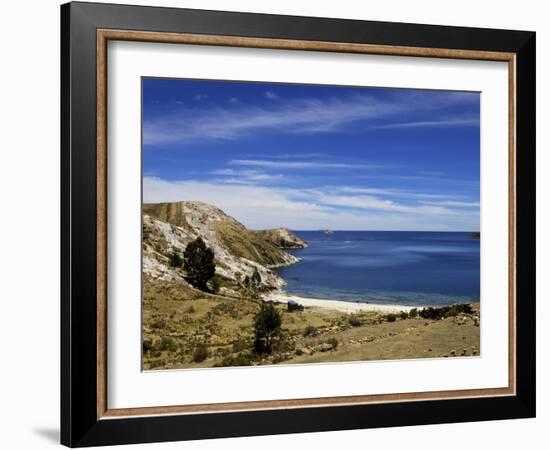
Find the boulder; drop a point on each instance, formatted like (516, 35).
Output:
(324, 347)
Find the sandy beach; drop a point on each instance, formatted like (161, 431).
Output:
(343, 306)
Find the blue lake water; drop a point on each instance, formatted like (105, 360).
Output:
(407, 268)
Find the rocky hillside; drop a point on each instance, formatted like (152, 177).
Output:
(169, 227)
(283, 238)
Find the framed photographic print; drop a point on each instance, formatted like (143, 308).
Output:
(276, 224)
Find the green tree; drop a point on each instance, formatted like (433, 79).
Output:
(198, 262)
(267, 326)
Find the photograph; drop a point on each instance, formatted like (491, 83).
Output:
(281, 222)
(299, 224)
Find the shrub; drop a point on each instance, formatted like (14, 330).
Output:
(167, 344)
(157, 363)
(199, 263)
(147, 345)
(282, 345)
(159, 247)
(354, 321)
(391, 317)
(404, 315)
(190, 309)
(240, 345)
(175, 259)
(223, 351)
(238, 360)
(215, 284)
(445, 311)
(310, 330)
(267, 325)
(146, 231)
(226, 309)
(413, 313)
(253, 284)
(334, 342)
(294, 306)
(158, 324)
(432, 313)
(200, 354)
(279, 358)
(453, 311)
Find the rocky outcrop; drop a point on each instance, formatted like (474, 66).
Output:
(283, 238)
(169, 227)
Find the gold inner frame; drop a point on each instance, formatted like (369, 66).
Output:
(104, 35)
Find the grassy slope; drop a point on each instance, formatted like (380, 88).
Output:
(278, 239)
(178, 319)
(247, 244)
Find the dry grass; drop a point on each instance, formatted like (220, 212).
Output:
(178, 320)
(247, 244)
(167, 212)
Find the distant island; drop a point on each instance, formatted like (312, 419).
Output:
(240, 314)
(475, 234)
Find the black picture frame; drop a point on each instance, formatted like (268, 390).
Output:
(80, 425)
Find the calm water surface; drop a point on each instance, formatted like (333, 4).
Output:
(408, 268)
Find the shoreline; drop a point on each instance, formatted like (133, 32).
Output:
(278, 266)
(339, 305)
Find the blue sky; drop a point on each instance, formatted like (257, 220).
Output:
(314, 157)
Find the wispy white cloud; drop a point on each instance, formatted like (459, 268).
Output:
(373, 203)
(298, 116)
(266, 207)
(399, 193)
(271, 95)
(296, 155)
(453, 203)
(246, 176)
(441, 180)
(449, 122)
(375, 200)
(299, 164)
